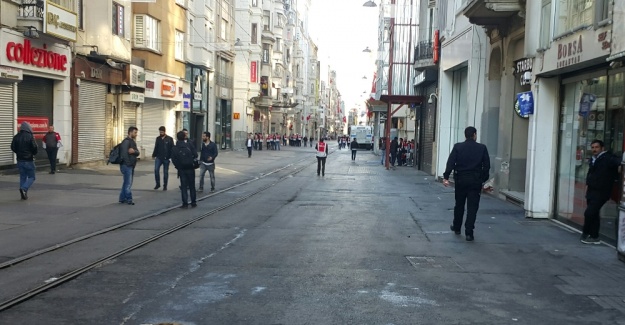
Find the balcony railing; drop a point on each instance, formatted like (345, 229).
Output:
(31, 9)
(424, 50)
(223, 80)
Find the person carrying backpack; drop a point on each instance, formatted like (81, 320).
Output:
(183, 156)
(128, 153)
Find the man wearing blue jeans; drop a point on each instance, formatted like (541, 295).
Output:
(161, 155)
(128, 152)
(25, 149)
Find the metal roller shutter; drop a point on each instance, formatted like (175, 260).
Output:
(7, 123)
(91, 122)
(130, 117)
(152, 117)
(429, 126)
(35, 98)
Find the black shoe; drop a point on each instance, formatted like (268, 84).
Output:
(51, 172)
(130, 203)
(184, 206)
(157, 187)
(165, 188)
(470, 238)
(201, 189)
(23, 194)
(194, 205)
(212, 190)
(457, 232)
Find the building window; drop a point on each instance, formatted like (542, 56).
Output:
(179, 52)
(266, 20)
(545, 24)
(278, 45)
(67, 4)
(224, 29)
(147, 33)
(573, 14)
(603, 9)
(254, 33)
(79, 14)
(118, 19)
(254, 3)
(266, 53)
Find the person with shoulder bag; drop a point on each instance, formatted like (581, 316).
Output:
(184, 158)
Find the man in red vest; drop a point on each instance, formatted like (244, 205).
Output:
(322, 154)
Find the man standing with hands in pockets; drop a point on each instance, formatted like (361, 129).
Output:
(471, 164)
(208, 153)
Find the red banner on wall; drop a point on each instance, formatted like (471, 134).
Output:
(38, 124)
(253, 72)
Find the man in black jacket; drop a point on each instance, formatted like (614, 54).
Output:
(182, 156)
(128, 152)
(208, 153)
(161, 156)
(25, 149)
(602, 174)
(354, 147)
(471, 164)
(393, 151)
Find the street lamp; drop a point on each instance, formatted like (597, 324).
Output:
(369, 3)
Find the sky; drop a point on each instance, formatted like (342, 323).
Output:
(342, 29)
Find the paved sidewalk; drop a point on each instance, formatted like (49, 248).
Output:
(74, 202)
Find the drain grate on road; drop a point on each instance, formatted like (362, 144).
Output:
(433, 262)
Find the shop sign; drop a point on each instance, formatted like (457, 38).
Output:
(96, 73)
(186, 96)
(33, 54)
(254, 71)
(134, 97)
(585, 104)
(60, 22)
(37, 123)
(168, 88)
(11, 74)
(236, 116)
(197, 88)
(580, 47)
(523, 70)
(524, 104)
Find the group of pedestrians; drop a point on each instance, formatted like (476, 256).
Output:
(400, 151)
(182, 153)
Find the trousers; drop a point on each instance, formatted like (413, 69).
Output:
(52, 152)
(592, 218)
(187, 182)
(211, 174)
(321, 165)
(468, 190)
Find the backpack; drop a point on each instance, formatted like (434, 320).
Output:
(115, 156)
(185, 158)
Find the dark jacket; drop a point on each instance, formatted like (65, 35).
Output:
(128, 159)
(175, 155)
(162, 148)
(601, 176)
(354, 145)
(209, 150)
(394, 146)
(24, 144)
(468, 158)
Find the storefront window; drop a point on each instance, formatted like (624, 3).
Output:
(591, 109)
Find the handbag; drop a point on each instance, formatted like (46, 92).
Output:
(196, 164)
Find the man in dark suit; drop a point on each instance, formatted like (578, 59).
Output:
(471, 164)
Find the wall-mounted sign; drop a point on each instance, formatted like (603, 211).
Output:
(524, 104)
(8, 74)
(37, 123)
(33, 54)
(60, 22)
(168, 88)
(134, 97)
(523, 65)
(197, 88)
(582, 46)
(254, 71)
(436, 47)
(96, 73)
(236, 116)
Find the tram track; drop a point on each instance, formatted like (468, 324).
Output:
(56, 281)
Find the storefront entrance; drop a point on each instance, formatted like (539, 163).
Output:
(35, 101)
(591, 108)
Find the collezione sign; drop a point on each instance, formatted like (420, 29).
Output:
(39, 57)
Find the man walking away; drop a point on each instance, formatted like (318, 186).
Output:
(248, 144)
(471, 164)
(208, 153)
(393, 150)
(354, 147)
(128, 152)
(51, 143)
(161, 156)
(322, 154)
(183, 156)
(25, 149)
(602, 174)
(382, 145)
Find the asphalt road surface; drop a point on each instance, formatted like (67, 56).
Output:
(361, 245)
